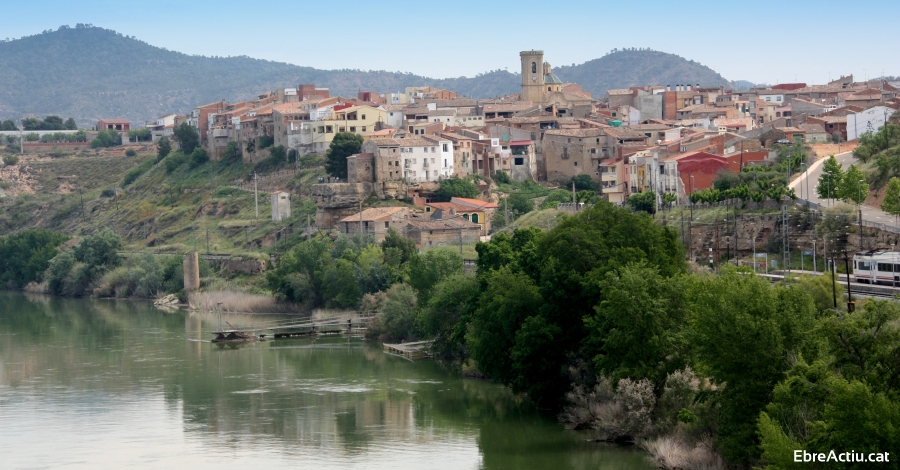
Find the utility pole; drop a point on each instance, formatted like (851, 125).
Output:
(786, 258)
(256, 192)
(207, 241)
(506, 206)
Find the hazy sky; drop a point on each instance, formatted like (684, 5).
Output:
(761, 41)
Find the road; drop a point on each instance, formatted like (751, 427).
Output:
(805, 186)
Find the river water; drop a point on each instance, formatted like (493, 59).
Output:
(113, 384)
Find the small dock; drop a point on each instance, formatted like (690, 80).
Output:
(295, 328)
(412, 351)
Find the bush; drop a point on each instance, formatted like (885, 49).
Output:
(164, 147)
(107, 138)
(198, 157)
(397, 319)
(130, 153)
(266, 141)
(175, 160)
(108, 193)
(10, 160)
(455, 187)
(501, 177)
(135, 173)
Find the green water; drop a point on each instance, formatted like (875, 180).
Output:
(110, 384)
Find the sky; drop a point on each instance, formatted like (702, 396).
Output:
(762, 41)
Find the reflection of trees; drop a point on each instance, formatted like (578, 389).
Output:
(328, 393)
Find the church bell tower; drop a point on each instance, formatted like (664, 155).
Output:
(532, 75)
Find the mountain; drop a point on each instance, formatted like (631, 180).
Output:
(90, 73)
(634, 67)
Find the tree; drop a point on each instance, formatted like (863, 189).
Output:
(455, 187)
(830, 180)
(854, 188)
(342, 146)
(277, 153)
(397, 249)
(431, 267)
(583, 183)
(8, 125)
(232, 152)
(24, 256)
(106, 138)
(556, 197)
(70, 124)
(187, 137)
(645, 202)
(891, 202)
(520, 204)
(163, 148)
(198, 157)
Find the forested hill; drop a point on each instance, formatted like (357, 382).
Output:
(90, 73)
(634, 67)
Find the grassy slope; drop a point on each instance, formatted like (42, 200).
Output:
(159, 211)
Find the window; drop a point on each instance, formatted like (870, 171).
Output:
(534, 67)
(475, 218)
(768, 98)
(445, 148)
(432, 150)
(593, 150)
(387, 225)
(777, 98)
(519, 161)
(532, 136)
(363, 128)
(565, 152)
(548, 88)
(363, 116)
(576, 163)
(352, 128)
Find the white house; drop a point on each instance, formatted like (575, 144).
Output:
(869, 120)
(426, 158)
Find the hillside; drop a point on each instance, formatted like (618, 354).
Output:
(90, 73)
(622, 69)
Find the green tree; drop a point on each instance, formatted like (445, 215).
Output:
(24, 256)
(107, 138)
(520, 204)
(645, 202)
(431, 267)
(342, 146)
(163, 148)
(397, 249)
(744, 332)
(70, 124)
(583, 183)
(854, 188)
(636, 331)
(187, 137)
(397, 319)
(32, 124)
(198, 157)
(447, 314)
(455, 187)
(8, 125)
(502, 177)
(10, 160)
(891, 202)
(232, 152)
(556, 197)
(830, 179)
(278, 153)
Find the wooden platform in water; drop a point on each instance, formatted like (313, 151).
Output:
(412, 351)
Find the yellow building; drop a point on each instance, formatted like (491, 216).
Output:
(356, 119)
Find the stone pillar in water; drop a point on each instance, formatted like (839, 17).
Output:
(191, 272)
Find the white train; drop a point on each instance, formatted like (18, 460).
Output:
(877, 267)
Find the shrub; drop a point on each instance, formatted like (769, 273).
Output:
(108, 193)
(502, 177)
(198, 157)
(175, 160)
(135, 173)
(130, 153)
(10, 160)
(397, 319)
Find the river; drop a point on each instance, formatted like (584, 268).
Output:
(113, 384)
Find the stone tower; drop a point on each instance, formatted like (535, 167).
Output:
(532, 75)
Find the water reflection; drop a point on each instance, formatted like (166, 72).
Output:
(114, 383)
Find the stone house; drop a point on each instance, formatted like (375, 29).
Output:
(441, 228)
(376, 221)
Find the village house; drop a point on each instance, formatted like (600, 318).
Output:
(376, 221)
(439, 227)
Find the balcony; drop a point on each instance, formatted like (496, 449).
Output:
(613, 177)
(613, 189)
